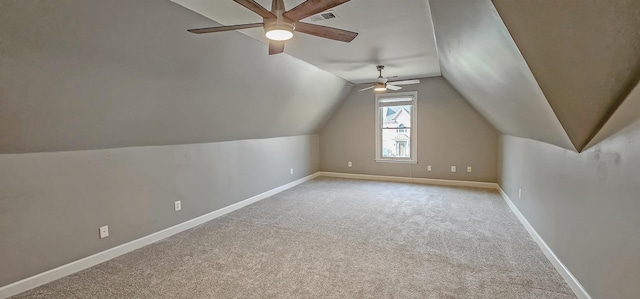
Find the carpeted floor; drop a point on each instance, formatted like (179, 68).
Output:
(337, 238)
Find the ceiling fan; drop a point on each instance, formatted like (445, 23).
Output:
(382, 84)
(280, 24)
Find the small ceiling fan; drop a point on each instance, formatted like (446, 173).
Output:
(382, 84)
(280, 24)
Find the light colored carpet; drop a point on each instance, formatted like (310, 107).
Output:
(337, 238)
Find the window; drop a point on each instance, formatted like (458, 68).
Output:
(396, 127)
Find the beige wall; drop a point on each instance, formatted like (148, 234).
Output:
(450, 132)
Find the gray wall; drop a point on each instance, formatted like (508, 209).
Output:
(450, 132)
(80, 75)
(52, 204)
(586, 206)
(89, 79)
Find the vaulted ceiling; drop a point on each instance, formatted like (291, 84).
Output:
(554, 71)
(77, 74)
(398, 34)
(478, 57)
(585, 56)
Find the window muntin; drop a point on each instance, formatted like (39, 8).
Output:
(396, 127)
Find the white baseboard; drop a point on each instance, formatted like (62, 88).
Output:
(571, 280)
(90, 261)
(409, 180)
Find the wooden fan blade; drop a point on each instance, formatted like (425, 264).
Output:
(405, 82)
(257, 8)
(326, 32)
(393, 87)
(370, 87)
(276, 47)
(311, 7)
(224, 28)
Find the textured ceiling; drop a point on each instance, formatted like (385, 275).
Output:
(397, 34)
(584, 54)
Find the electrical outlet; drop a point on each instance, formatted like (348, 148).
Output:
(428, 167)
(519, 193)
(349, 164)
(177, 205)
(468, 168)
(291, 171)
(453, 169)
(104, 231)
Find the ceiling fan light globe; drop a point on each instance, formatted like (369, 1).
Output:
(279, 35)
(279, 31)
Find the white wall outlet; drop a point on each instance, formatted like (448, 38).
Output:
(104, 231)
(453, 169)
(519, 193)
(428, 167)
(468, 168)
(291, 171)
(177, 205)
(349, 164)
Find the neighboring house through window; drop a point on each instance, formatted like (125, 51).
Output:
(401, 129)
(396, 127)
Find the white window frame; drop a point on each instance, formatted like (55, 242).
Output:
(413, 100)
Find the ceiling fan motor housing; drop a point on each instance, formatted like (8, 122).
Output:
(279, 30)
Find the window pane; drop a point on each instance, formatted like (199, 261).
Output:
(395, 121)
(395, 116)
(395, 144)
(396, 131)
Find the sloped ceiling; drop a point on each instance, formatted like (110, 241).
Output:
(78, 74)
(627, 115)
(479, 58)
(584, 54)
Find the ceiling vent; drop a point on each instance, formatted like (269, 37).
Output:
(325, 15)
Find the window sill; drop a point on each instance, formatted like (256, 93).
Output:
(397, 161)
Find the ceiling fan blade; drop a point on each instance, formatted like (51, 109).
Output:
(406, 82)
(311, 7)
(393, 87)
(326, 32)
(257, 8)
(224, 28)
(276, 47)
(370, 87)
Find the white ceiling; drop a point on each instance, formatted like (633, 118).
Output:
(397, 34)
